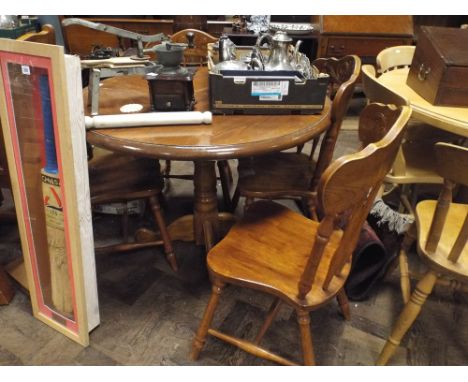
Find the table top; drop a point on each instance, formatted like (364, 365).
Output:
(453, 119)
(228, 137)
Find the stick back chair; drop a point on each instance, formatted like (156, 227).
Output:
(395, 57)
(289, 175)
(442, 234)
(302, 262)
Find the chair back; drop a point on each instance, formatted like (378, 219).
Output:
(45, 36)
(347, 190)
(198, 54)
(395, 57)
(377, 92)
(452, 164)
(343, 74)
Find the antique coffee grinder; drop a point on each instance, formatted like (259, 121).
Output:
(170, 84)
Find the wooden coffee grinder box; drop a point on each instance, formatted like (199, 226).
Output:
(439, 71)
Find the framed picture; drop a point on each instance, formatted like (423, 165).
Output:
(42, 118)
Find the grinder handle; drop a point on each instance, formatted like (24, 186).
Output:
(190, 39)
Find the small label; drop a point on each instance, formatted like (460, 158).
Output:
(25, 70)
(270, 90)
(271, 97)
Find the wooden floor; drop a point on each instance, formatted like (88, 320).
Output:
(149, 314)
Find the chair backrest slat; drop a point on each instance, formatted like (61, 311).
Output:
(452, 162)
(460, 242)
(348, 187)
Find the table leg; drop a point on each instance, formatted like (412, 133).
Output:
(205, 210)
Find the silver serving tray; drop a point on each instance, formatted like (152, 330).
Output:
(294, 28)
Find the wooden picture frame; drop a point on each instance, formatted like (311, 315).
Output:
(40, 87)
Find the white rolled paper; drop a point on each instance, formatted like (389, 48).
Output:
(149, 119)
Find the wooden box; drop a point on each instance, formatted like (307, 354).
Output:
(439, 71)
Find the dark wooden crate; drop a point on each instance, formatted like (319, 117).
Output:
(439, 71)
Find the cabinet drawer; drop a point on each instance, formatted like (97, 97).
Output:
(361, 46)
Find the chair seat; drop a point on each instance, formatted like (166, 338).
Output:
(279, 173)
(111, 172)
(453, 224)
(268, 250)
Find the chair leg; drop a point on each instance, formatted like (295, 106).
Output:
(408, 316)
(344, 304)
(272, 312)
(199, 339)
(403, 263)
(225, 176)
(167, 169)
(168, 250)
(303, 319)
(248, 202)
(125, 224)
(235, 199)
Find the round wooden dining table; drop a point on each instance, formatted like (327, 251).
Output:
(227, 137)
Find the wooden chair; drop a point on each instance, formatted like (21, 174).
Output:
(442, 231)
(415, 165)
(415, 162)
(117, 178)
(395, 57)
(289, 175)
(302, 262)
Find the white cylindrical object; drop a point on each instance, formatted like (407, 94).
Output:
(149, 119)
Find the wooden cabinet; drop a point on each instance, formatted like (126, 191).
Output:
(364, 36)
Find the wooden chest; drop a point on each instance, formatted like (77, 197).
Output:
(439, 71)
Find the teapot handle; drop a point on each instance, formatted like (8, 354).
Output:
(260, 39)
(296, 50)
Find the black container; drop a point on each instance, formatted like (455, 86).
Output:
(266, 92)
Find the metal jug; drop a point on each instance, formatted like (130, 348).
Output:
(227, 49)
(280, 57)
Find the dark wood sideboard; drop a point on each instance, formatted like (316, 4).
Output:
(364, 36)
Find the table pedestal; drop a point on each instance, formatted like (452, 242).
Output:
(205, 219)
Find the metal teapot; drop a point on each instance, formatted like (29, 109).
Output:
(280, 57)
